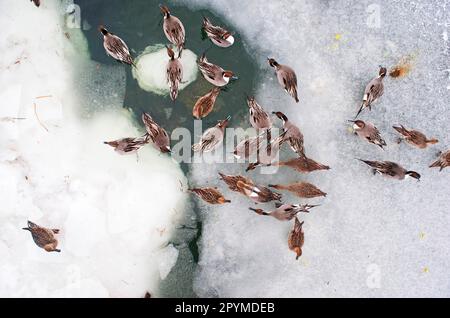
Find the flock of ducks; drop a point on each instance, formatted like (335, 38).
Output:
(263, 145)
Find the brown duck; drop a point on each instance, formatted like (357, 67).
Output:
(205, 104)
(285, 212)
(232, 181)
(250, 145)
(415, 137)
(174, 73)
(156, 134)
(296, 238)
(390, 169)
(443, 161)
(302, 165)
(128, 146)
(301, 189)
(43, 237)
(210, 195)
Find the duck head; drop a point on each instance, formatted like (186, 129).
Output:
(272, 62)
(298, 251)
(413, 174)
(281, 116)
(165, 11)
(102, 29)
(383, 71)
(228, 37)
(227, 75)
(358, 124)
(165, 149)
(223, 123)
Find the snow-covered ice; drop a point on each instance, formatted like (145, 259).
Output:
(116, 214)
(371, 237)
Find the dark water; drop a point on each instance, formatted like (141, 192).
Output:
(139, 23)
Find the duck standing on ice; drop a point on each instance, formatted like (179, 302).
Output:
(302, 165)
(391, 169)
(374, 90)
(368, 132)
(285, 212)
(214, 73)
(43, 237)
(293, 135)
(116, 47)
(174, 73)
(128, 146)
(212, 137)
(296, 238)
(415, 137)
(286, 77)
(218, 35)
(210, 195)
(301, 189)
(259, 119)
(173, 28)
(443, 161)
(156, 134)
(268, 153)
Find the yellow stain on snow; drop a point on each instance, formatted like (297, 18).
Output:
(350, 129)
(421, 235)
(337, 36)
(425, 270)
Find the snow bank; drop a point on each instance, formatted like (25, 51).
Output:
(371, 237)
(116, 214)
(150, 71)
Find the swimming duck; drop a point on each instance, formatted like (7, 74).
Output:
(126, 146)
(205, 104)
(37, 3)
(43, 237)
(443, 161)
(174, 73)
(268, 153)
(301, 189)
(373, 91)
(285, 212)
(232, 181)
(257, 193)
(286, 77)
(210, 195)
(296, 238)
(173, 28)
(116, 47)
(218, 35)
(415, 137)
(249, 145)
(302, 164)
(156, 134)
(293, 135)
(259, 119)
(368, 132)
(391, 169)
(214, 73)
(212, 137)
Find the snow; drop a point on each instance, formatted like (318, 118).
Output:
(115, 222)
(150, 71)
(371, 236)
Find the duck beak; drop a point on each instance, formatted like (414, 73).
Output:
(352, 121)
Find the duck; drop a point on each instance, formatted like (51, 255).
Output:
(259, 119)
(173, 28)
(127, 146)
(285, 212)
(257, 193)
(300, 189)
(302, 165)
(443, 161)
(293, 134)
(286, 77)
(174, 73)
(218, 35)
(43, 237)
(268, 152)
(250, 145)
(296, 238)
(374, 90)
(37, 3)
(415, 137)
(210, 195)
(205, 104)
(156, 134)
(368, 132)
(212, 137)
(213, 73)
(232, 182)
(116, 47)
(391, 169)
